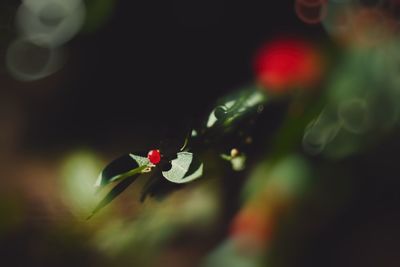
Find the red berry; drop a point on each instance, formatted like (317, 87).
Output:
(154, 156)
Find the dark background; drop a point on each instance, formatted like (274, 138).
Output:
(154, 65)
(157, 64)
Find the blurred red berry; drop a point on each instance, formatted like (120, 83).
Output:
(287, 64)
(254, 224)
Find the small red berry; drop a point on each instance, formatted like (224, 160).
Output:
(154, 156)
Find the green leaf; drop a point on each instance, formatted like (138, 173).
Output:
(235, 107)
(117, 190)
(184, 169)
(121, 168)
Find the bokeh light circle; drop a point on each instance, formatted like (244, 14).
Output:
(311, 11)
(28, 61)
(319, 133)
(353, 115)
(56, 21)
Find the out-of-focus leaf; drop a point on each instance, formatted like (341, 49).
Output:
(118, 189)
(232, 110)
(185, 168)
(158, 188)
(123, 167)
(148, 187)
(219, 113)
